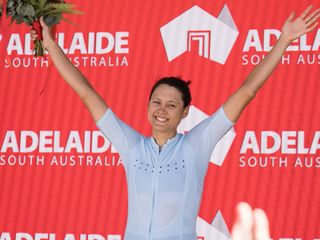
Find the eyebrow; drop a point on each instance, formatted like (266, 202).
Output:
(170, 101)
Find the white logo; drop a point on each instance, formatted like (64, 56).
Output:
(220, 151)
(217, 230)
(215, 37)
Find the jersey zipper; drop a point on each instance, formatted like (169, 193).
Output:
(152, 212)
(155, 180)
(154, 189)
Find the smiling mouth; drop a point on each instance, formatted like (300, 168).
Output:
(161, 119)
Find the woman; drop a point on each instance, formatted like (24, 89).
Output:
(165, 172)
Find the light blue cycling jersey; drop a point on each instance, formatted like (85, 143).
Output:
(164, 185)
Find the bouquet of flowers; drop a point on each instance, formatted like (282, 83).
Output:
(30, 11)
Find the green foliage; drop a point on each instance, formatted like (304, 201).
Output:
(28, 11)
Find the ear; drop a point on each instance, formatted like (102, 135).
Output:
(185, 112)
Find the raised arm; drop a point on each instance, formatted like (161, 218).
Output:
(77, 81)
(291, 30)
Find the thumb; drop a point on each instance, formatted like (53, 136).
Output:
(42, 22)
(290, 18)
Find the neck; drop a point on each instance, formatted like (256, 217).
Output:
(162, 137)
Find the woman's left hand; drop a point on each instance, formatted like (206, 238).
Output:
(306, 22)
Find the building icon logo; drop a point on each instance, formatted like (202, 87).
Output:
(213, 36)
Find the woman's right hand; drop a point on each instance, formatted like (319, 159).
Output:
(46, 34)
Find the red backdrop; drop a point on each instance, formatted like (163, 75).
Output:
(59, 176)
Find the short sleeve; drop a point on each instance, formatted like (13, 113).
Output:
(216, 128)
(211, 129)
(121, 135)
(204, 137)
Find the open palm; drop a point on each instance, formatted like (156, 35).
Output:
(306, 22)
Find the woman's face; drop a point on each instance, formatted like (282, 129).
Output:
(166, 109)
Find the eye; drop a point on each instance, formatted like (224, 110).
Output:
(171, 105)
(156, 101)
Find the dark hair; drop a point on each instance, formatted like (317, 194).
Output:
(177, 82)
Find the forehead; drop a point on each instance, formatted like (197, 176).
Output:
(168, 93)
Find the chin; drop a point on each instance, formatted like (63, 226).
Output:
(159, 128)
(163, 129)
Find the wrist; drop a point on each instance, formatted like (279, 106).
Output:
(284, 40)
(50, 44)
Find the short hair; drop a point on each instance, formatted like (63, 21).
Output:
(177, 82)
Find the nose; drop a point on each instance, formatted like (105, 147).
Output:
(161, 109)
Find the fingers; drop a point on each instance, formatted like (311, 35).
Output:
(310, 19)
(261, 225)
(244, 214)
(38, 27)
(33, 34)
(43, 23)
(242, 229)
(291, 17)
(306, 12)
(250, 224)
(309, 29)
(313, 17)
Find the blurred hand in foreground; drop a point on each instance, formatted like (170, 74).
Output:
(250, 224)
